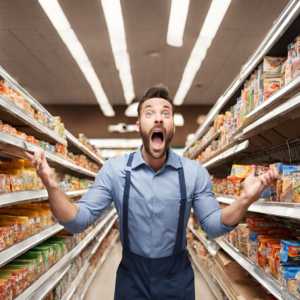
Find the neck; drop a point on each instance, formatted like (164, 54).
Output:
(154, 163)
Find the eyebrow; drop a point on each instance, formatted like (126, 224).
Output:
(148, 106)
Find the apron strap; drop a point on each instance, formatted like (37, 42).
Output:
(180, 230)
(126, 203)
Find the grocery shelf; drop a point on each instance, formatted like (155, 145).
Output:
(223, 154)
(203, 240)
(265, 279)
(41, 287)
(71, 138)
(76, 282)
(35, 195)
(27, 120)
(287, 210)
(204, 146)
(282, 23)
(288, 110)
(11, 144)
(12, 252)
(100, 240)
(205, 274)
(105, 254)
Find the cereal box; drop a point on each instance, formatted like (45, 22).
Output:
(273, 188)
(272, 65)
(287, 182)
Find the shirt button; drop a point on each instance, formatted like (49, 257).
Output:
(154, 200)
(152, 255)
(153, 234)
(153, 215)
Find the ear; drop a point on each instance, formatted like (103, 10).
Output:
(137, 126)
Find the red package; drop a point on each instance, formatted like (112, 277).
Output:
(31, 139)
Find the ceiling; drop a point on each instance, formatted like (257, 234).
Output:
(33, 53)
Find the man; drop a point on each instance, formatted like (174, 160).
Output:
(153, 190)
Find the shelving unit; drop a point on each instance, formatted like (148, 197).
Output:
(35, 195)
(205, 274)
(74, 143)
(12, 252)
(280, 26)
(41, 287)
(204, 241)
(202, 148)
(288, 210)
(107, 251)
(268, 281)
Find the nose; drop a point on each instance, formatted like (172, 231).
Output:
(158, 119)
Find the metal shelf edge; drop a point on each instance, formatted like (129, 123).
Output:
(206, 276)
(268, 281)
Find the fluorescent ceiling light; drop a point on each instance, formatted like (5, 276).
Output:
(116, 143)
(178, 120)
(63, 27)
(215, 15)
(115, 24)
(131, 110)
(177, 20)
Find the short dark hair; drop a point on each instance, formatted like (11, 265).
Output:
(158, 91)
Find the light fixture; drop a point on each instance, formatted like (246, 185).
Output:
(115, 24)
(131, 110)
(116, 143)
(122, 127)
(178, 120)
(215, 15)
(67, 34)
(177, 20)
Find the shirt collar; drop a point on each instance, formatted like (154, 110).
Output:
(173, 159)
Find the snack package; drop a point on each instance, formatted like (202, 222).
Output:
(296, 187)
(283, 69)
(289, 251)
(252, 241)
(273, 188)
(287, 183)
(256, 88)
(273, 257)
(287, 272)
(242, 238)
(288, 70)
(16, 183)
(240, 171)
(295, 58)
(272, 65)
(235, 185)
(262, 250)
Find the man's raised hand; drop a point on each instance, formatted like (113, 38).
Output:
(39, 162)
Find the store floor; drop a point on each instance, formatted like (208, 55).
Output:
(102, 287)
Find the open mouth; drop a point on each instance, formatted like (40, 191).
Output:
(157, 138)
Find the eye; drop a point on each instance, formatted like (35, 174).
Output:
(166, 113)
(149, 113)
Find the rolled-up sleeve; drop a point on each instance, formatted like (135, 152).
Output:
(206, 206)
(94, 203)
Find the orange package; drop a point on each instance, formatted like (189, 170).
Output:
(16, 183)
(273, 257)
(262, 251)
(235, 185)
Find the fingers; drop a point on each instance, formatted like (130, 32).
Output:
(253, 170)
(28, 155)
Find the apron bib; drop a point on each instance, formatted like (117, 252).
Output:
(165, 278)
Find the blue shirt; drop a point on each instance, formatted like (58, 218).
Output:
(154, 202)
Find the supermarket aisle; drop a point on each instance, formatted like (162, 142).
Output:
(104, 283)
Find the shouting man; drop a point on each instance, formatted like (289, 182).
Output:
(153, 190)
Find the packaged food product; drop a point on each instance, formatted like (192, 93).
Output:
(30, 139)
(16, 183)
(287, 272)
(295, 59)
(292, 286)
(56, 249)
(38, 256)
(288, 70)
(235, 185)
(296, 187)
(242, 238)
(270, 86)
(272, 65)
(261, 170)
(274, 187)
(262, 250)
(287, 182)
(31, 265)
(273, 257)
(289, 251)
(283, 69)
(240, 171)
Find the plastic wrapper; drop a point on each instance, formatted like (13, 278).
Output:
(289, 251)
(287, 183)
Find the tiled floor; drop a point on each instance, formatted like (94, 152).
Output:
(102, 287)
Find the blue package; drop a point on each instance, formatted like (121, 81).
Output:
(289, 251)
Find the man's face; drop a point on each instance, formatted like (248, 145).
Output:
(156, 126)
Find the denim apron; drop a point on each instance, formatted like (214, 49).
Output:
(165, 278)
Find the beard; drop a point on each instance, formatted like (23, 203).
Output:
(146, 137)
